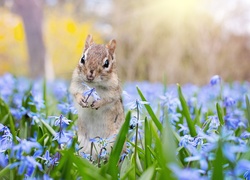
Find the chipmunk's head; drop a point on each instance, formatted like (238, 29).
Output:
(98, 61)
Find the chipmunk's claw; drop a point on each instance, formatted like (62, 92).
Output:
(82, 102)
(95, 104)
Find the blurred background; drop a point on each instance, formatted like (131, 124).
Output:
(179, 41)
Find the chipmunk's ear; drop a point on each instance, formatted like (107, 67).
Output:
(111, 46)
(89, 41)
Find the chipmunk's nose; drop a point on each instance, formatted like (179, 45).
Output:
(90, 75)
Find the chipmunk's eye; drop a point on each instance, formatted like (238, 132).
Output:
(83, 59)
(106, 64)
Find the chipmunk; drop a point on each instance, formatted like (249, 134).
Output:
(102, 117)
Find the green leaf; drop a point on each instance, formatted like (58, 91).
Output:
(23, 133)
(150, 111)
(197, 116)
(27, 99)
(220, 114)
(112, 166)
(168, 144)
(4, 171)
(48, 127)
(4, 119)
(127, 169)
(186, 113)
(45, 96)
(148, 174)
(6, 116)
(206, 125)
(12, 128)
(41, 140)
(248, 110)
(218, 164)
(72, 166)
(147, 142)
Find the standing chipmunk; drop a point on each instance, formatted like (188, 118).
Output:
(103, 117)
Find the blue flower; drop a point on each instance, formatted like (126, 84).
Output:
(91, 92)
(245, 135)
(46, 157)
(85, 156)
(55, 159)
(24, 147)
(137, 105)
(242, 166)
(134, 121)
(201, 158)
(5, 138)
(103, 142)
(60, 90)
(26, 164)
(247, 175)
(188, 140)
(37, 101)
(18, 113)
(1, 127)
(63, 137)
(174, 117)
(66, 108)
(170, 102)
(7, 85)
(183, 129)
(3, 160)
(214, 123)
(187, 174)
(215, 80)
(228, 102)
(103, 153)
(230, 151)
(46, 177)
(232, 122)
(191, 143)
(61, 120)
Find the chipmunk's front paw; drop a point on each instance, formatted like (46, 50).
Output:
(81, 101)
(96, 104)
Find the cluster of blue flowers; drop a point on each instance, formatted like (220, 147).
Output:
(201, 149)
(34, 149)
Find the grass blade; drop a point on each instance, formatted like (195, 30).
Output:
(148, 174)
(112, 166)
(127, 169)
(248, 110)
(218, 164)
(186, 113)
(12, 128)
(150, 111)
(45, 97)
(48, 127)
(148, 142)
(220, 114)
(168, 143)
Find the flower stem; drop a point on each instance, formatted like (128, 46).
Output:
(92, 90)
(136, 135)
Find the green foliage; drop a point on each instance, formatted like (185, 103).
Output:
(186, 113)
(154, 155)
(150, 111)
(248, 110)
(112, 166)
(218, 163)
(6, 118)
